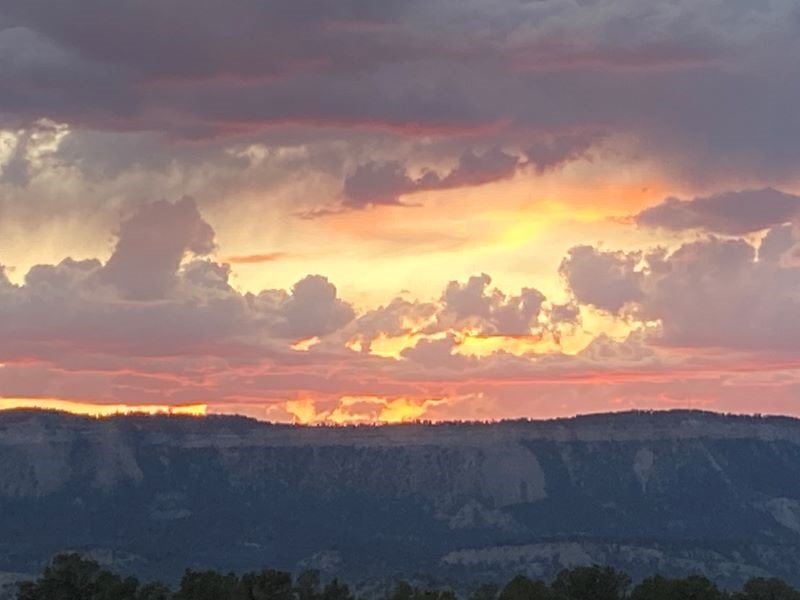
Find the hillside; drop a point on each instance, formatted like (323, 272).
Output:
(674, 492)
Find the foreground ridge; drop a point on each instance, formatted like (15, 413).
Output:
(674, 492)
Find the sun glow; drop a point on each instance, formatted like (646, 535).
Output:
(102, 410)
(354, 410)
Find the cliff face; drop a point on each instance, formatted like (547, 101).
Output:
(671, 492)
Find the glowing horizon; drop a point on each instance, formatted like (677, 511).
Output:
(100, 410)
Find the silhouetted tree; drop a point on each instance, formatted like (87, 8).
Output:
(523, 588)
(402, 591)
(590, 583)
(154, 591)
(209, 585)
(72, 577)
(486, 591)
(335, 590)
(267, 585)
(694, 587)
(307, 585)
(767, 589)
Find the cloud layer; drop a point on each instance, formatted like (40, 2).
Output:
(676, 76)
(159, 323)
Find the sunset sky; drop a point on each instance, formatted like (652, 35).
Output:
(369, 211)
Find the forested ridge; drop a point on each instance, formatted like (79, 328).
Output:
(73, 577)
(673, 493)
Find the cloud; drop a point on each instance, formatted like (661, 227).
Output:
(151, 246)
(383, 183)
(552, 152)
(631, 350)
(490, 312)
(729, 213)
(153, 296)
(353, 410)
(100, 331)
(377, 183)
(311, 309)
(674, 77)
(438, 354)
(710, 293)
(607, 280)
(399, 317)
(778, 243)
(713, 293)
(4, 281)
(250, 259)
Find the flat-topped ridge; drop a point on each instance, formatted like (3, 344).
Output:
(225, 430)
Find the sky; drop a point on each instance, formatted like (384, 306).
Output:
(358, 211)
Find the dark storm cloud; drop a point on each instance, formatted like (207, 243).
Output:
(197, 39)
(713, 87)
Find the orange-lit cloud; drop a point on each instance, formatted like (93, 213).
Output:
(354, 410)
(251, 259)
(160, 323)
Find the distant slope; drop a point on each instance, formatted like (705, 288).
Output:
(674, 492)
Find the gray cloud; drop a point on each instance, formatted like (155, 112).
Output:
(311, 309)
(606, 280)
(677, 77)
(778, 244)
(714, 293)
(710, 293)
(375, 183)
(552, 152)
(731, 213)
(151, 245)
(438, 354)
(147, 299)
(490, 311)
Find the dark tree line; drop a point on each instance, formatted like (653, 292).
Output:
(71, 577)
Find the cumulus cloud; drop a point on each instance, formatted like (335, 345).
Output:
(714, 293)
(631, 350)
(148, 298)
(397, 318)
(730, 213)
(489, 311)
(471, 309)
(438, 354)
(607, 280)
(151, 245)
(311, 309)
(710, 293)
